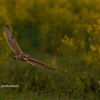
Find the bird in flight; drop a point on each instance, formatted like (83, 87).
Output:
(19, 54)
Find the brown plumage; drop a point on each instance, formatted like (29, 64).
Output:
(19, 54)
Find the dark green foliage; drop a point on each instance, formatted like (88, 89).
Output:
(64, 34)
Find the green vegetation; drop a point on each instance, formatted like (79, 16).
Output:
(64, 34)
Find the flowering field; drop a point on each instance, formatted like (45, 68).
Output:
(63, 34)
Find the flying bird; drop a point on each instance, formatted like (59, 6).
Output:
(19, 54)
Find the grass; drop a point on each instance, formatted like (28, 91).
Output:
(43, 84)
(30, 95)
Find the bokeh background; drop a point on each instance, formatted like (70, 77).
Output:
(64, 34)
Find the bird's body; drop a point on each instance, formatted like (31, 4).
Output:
(19, 54)
(21, 57)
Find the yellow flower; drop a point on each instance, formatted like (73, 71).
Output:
(52, 61)
(65, 36)
(4, 34)
(0, 38)
(99, 82)
(75, 47)
(98, 22)
(98, 27)
(99, 49)
(62, 40)
(77, 79)
(85, 72)
(82, 44)
(94, 38)
(93, 48)
(89, 28)
(65, 71)
(58, 49)
(89, 39)
(7, 54)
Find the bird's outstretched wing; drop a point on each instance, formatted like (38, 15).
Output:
(11, 41)
(38, 63)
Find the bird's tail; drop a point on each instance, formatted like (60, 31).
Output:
(14, 58)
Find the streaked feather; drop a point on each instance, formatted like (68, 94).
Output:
(38, 63)
(11, 41)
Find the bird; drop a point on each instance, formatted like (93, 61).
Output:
(19, 54)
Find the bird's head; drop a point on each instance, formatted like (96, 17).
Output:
(25, 57)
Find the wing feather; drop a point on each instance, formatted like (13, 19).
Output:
(38, 63)
(11, 41)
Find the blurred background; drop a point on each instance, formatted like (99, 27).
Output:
(63, 34)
